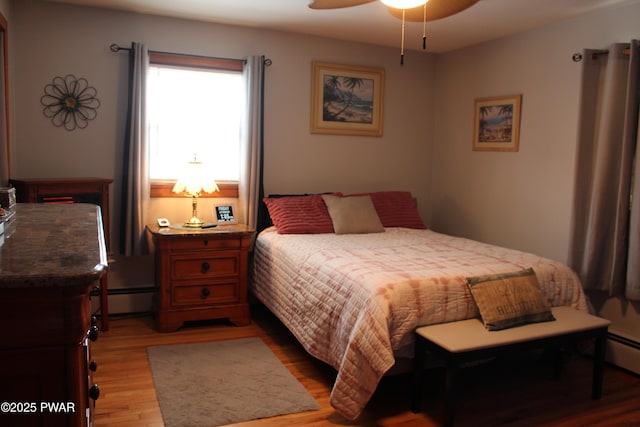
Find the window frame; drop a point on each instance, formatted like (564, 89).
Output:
(164, 188)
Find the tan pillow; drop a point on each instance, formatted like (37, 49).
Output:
(509, 299)
(353, 215)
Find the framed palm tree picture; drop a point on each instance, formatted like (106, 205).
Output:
(496, 123)
(346, 99)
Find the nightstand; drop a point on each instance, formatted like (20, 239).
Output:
(200, 274)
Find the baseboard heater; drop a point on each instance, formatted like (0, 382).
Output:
(127, 291)
(623, 351)
(623, 340)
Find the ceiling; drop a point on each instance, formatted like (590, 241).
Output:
(369, 23)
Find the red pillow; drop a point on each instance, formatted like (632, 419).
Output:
(299, 214)
(396, 209)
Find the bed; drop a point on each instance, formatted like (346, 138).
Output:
(353, 300)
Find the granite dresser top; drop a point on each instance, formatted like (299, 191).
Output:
(52, 245)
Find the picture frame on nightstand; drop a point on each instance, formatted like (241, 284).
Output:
(225, 213)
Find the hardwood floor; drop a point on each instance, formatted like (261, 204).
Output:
(516, 392)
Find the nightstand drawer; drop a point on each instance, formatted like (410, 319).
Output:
(205, 294)
(203, 243)
(206, 266)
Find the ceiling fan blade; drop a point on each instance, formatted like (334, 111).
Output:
(436, 9)
(337, 4)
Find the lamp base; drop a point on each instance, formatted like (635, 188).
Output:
(194, 223)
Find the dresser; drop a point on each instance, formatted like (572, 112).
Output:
(51, 258)
(73, 190)
(200, 274)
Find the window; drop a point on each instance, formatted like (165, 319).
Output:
(194, 105)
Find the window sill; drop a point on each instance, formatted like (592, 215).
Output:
(163, 189)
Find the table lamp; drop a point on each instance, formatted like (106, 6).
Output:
(194, 180)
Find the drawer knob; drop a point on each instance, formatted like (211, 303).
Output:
(93, 366)
(93, 333)
(205, 293)
(205, 267)
(94, 392)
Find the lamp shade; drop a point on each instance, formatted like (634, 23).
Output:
(404, 4)
(195, 179)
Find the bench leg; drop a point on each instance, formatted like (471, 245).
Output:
(419, 359)
(598, 364)
(450, 391)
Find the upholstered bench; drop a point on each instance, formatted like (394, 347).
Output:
(468, 340)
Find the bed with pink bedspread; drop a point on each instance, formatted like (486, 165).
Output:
(354, 300)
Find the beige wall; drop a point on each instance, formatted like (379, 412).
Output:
(54, 40)
(521, 200)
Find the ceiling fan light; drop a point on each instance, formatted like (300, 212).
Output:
(404, 4)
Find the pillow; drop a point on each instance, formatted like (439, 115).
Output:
(509, 299)
(395, 208)
(353, 215)
(299, 214)
(264, 219)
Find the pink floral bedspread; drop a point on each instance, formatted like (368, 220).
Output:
(353, 300)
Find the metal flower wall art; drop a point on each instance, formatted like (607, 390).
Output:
(70, 102)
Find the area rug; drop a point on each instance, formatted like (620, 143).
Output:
(223, 382)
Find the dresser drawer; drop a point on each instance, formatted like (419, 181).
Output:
(205, 294)
(205, 265)
(204, 243)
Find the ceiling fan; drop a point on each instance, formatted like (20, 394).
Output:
(407, 10)
(435, 9)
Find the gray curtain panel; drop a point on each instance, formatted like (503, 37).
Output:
(135, 173)
(251, 143)
(604, 245)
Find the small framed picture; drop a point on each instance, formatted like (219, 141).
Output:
(225, 213)
(496, 123)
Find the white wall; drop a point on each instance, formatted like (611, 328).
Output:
(522, 200)
(52, 40)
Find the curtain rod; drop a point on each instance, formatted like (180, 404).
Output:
(114, 47)
(577, 57)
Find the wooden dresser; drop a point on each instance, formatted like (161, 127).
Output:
(73, 190)
(51, 257)
(200, 274)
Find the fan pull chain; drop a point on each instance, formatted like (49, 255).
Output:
(402, 42)
(424, 28)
